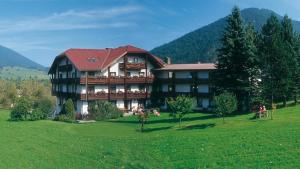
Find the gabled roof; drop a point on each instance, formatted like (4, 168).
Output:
(99, 59)
(182, 67)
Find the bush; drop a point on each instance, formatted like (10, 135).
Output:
(45, 106)
(102, 110)
(68, 112)
(21, 110)
(37, 114)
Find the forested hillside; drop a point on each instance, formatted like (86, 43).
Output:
(201, 44)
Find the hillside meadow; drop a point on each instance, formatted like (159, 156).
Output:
(203, 142)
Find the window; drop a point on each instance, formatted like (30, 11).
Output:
(91, 89)
(91, 59)
(91, 73)
(61, 101)
(142, 74)
(114, 102)
(194, 89)
(128, 74)
(142, 87)
(128, 87)
(113, 74)
(200, 102)
(73, 74)
(135, 60)
(113, 88)
(60, 75)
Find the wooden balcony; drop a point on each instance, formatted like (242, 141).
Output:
(191, 94)
(65, 94)
(65, 68)
(65, 80)
(132, 66)
(95, 96)
(138, 95)
(117, 80)
(115, 95)
(94, 80)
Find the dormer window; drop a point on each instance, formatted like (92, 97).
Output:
(92, 59)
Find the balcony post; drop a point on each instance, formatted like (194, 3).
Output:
(86, 86)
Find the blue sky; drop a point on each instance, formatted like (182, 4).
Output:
(41, 29)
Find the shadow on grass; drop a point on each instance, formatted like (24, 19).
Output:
(169, 120)
(148, 130)
(198, 126)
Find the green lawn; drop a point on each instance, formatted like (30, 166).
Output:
(203, 142)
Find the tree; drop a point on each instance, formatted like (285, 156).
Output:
(21, 110)
(278, 53)
(143, 117)
(180, 106)
(236, 60)
(225, 103)
(69, 110)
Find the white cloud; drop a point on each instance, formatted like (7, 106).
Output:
(73, 19)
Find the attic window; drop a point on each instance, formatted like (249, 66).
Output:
(92, 59)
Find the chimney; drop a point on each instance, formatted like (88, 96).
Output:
(168, 60)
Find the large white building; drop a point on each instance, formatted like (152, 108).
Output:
(127, 76)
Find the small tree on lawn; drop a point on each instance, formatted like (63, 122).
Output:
(143, 116)
(21, 110)
(180, 106)
(69, 109)
(225, 103)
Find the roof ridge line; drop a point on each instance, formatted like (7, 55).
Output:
(106, 57)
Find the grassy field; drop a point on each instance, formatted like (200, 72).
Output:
(202, 142)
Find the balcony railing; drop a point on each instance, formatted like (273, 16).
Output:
(132, 66)
(65, 67)
(117, 80)
(115, 95)
(65, 80)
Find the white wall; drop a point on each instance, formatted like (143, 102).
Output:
(203, 88)
(182, 88)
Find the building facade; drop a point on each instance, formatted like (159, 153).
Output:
(126, 76)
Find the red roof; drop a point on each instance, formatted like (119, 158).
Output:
(197, 66)
(98, 59)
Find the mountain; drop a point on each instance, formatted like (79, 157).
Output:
(11, 58)
(200, 45)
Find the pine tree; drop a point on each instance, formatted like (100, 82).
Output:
(236, 60)
(289, 58)
(270, 57)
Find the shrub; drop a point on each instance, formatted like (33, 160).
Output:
(102, 110)
(36, 114)
(45, 105)
(21, 110)
(225, 103)
(68, 111)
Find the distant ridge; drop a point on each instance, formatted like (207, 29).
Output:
(200, 45)
(9, 57)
